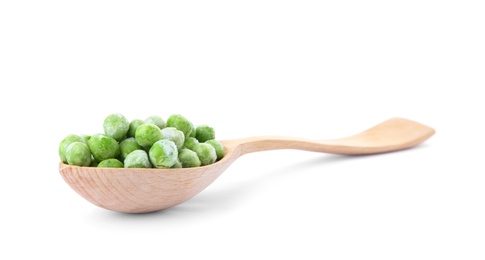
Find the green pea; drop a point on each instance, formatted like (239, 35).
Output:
(204, 133)
(103, 147)
(127, 146)
(116, 126)
(174, 135)
(206, 153)
(110, 163)
(77, 153)
(181, 123)
(190, 143)
(156, 120)
(85, 138)
(192, 133)
(133, 126)
(147, 134)
(218, 146)
(177, 164)
(188, 158)
(65, 143)
(137, 159)
(163, 154)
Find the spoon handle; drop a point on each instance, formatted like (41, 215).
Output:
(391, 135)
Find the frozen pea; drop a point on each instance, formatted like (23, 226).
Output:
(177, 164)
(204, 133)
(137, 159)
(190, 142)
(188, 158)
(116, 126)
(133, 126)
(192, 133)
(218, 146)
(174, 135)
(127, 146)
(206, 153)
(85, 138)
(103, 147)
(156, 120)
(181, 123)
(77, 153)
(65, 143)
(110, 163)
(147, 134)
(163, 154)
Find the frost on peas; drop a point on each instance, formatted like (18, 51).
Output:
(206, 153)
(127, 146)
(218, 147)
(65, 143)
(156, 120)
(103, 147)
(190, 143)
(163, 154)
(116, 126)
(174, 135)
(181, 123)
(204, 133)
(188, 158)
(77, 153)
(110, 163)
(147, 134)
(137, 159)
(134, 124)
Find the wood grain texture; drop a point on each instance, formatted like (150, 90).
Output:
(134, 190)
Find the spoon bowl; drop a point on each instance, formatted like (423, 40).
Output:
(140, 190)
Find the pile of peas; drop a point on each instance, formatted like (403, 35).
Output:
(149, 143)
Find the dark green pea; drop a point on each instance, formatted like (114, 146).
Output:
(204, 133)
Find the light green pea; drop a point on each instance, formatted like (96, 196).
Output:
(65, 143)
(206, 153)
(181, 123)
(103, 147)
(174, 135)
(110, 163)
(147, 134)
(218, 146)
(127, 146)
(204, 133)
(163, 154)
(116, 126)
(190, 143)
(156, 120)
(137, 159)
(188, 158)
(133, 126)
(77, 153)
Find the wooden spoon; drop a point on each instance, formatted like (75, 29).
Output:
(134, 190)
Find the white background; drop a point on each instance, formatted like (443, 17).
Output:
(315, 69)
